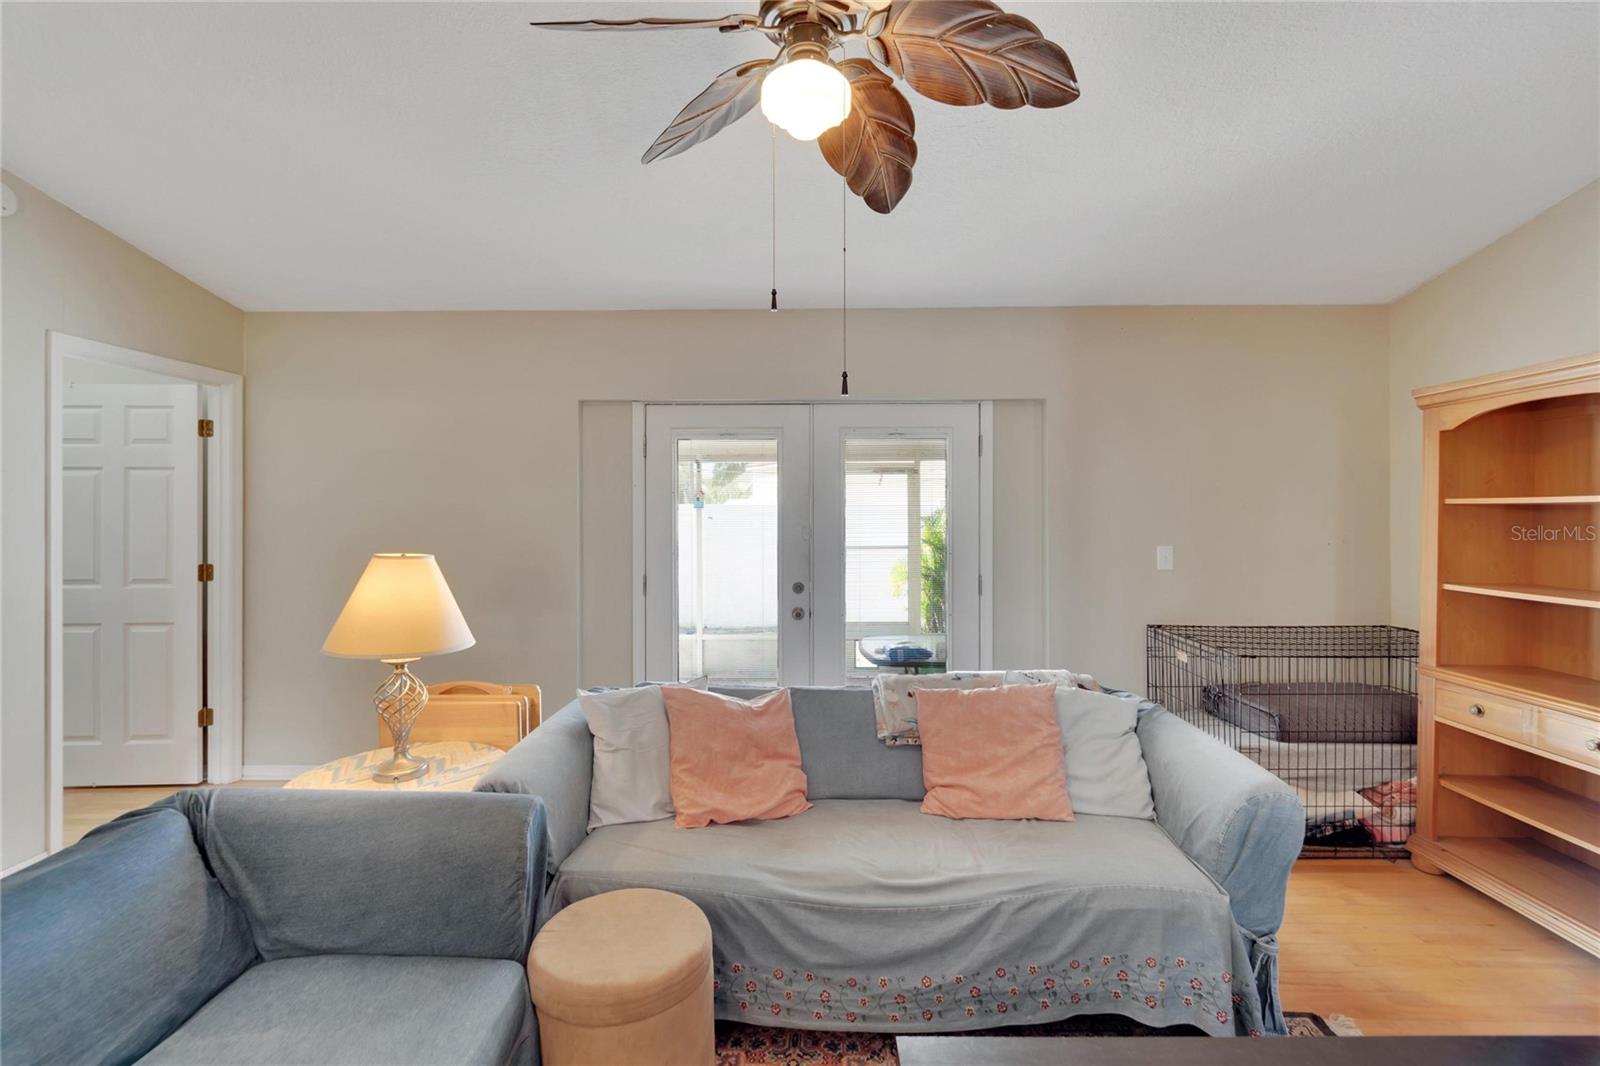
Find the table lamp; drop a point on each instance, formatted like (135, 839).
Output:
(400, 610)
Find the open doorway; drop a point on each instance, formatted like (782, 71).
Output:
(144, 577)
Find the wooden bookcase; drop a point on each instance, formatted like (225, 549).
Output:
(1508, 780)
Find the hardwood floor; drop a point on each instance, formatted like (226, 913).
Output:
(84, 808)
(1405, 953)
(1399, 952)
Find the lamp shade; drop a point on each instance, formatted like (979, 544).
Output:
(400, 609)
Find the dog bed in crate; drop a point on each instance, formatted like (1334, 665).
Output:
(1317, 711)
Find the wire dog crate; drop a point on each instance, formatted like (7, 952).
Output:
(1332, 710)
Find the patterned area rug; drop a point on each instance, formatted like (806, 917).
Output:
(753, 1045)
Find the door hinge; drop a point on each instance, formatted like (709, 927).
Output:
(207, 716)
(980, 443)
(205, 572)
(207, 428)
(644, 585)
(980, 584)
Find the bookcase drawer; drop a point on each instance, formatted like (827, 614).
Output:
(1568, 736)
(1478, 711)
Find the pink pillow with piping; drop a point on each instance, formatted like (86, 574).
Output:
(733, 760)
(993, 753)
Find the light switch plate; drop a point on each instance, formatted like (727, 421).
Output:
(1163, 557)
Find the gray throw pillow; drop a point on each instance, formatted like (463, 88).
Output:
(1106, 773)
(632, 764)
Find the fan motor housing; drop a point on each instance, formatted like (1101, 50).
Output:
(806, 40)
(778, 19)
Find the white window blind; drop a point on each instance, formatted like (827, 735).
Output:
(895, 565)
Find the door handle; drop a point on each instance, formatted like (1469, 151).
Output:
(798, 614)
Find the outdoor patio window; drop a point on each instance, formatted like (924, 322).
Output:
(894, 542)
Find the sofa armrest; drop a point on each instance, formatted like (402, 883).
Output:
(1238, 821)
(370, 873)
(556, 763)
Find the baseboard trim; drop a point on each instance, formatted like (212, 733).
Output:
(23, 865)
(274, 771)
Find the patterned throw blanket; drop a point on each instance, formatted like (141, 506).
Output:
(1394, 811)
(894, 696)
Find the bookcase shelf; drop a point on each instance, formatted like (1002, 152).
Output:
(1510, 501)
(1570, 597)
(1508, 723)
(1534, 684)
(1561, 893)
(1573, 818)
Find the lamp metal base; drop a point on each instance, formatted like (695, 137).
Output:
(399, 768)
(400, 699)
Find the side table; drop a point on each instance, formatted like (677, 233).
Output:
(453, 766)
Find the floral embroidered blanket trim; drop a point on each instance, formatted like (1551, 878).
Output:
(1160, 991)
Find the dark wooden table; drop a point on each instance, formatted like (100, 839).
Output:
(1280, 1051)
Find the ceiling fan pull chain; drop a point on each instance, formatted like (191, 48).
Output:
(774, 130)
(844, 287)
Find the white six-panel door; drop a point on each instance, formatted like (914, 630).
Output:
(130, 506)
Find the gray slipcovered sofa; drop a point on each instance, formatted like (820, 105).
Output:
(865, 913)
(245, 926)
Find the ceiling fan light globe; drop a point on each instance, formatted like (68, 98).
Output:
(805, 97)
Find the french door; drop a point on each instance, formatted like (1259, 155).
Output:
(809, 544)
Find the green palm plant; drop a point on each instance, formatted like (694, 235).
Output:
(933, 573)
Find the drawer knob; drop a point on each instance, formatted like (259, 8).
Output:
(1476, 710)
(1593, 743)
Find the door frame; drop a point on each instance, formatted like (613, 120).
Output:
(950, 421)
(791, 423)
(985, 512)
(223, 392)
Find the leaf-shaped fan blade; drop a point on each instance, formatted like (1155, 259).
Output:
(727, 24)
(874, 147)
(967, 52)
(722, 103)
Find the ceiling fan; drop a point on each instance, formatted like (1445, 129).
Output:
(961, 52)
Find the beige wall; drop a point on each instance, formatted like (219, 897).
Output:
(1254, 440)
(62, 272)
(1020, 495)
(1273, 447)
(1532, 296)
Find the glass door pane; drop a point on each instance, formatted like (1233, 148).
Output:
(895, 503)
(727, 544)
(726, 499)
(896, 544)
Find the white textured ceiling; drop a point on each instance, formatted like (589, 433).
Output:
(407, 156)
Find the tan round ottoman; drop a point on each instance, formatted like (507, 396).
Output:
(624, 978)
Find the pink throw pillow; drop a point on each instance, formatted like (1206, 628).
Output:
(733, 760)
(993, 753)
